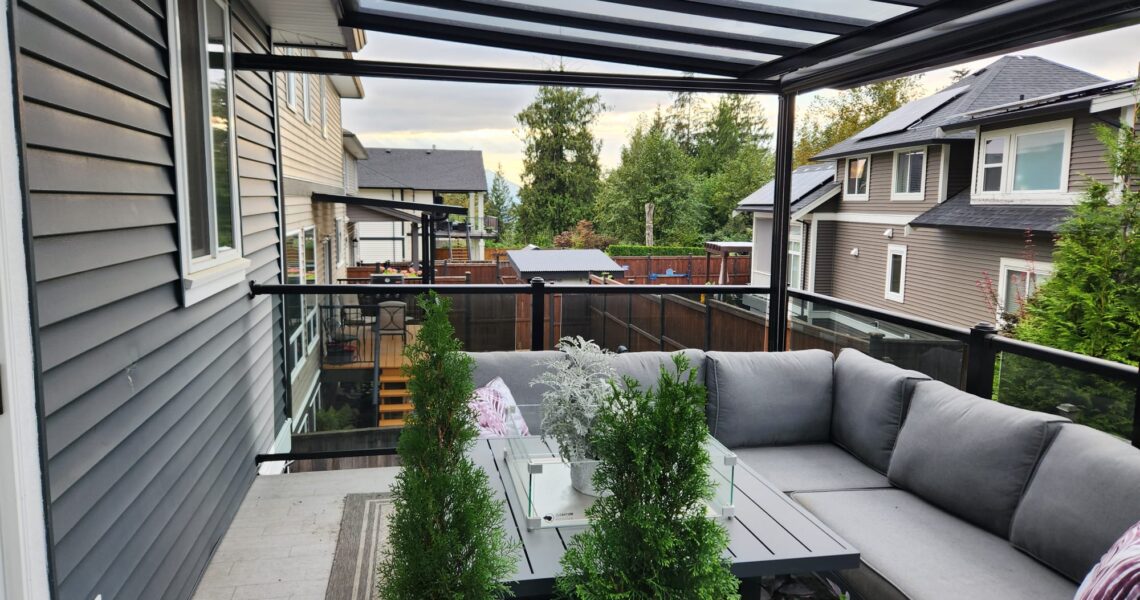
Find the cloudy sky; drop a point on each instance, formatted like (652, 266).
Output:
(420, 114)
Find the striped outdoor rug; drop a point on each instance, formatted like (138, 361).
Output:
(363, 529)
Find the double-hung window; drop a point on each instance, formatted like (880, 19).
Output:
(324, 109)
(1019, 280)
(1025, 163)
(302, 327)
(203, 92)
(290, 85)
(795, 255)
(910, 174)
(896, 272)
(340, 242)
(306, 97)
(857, 178)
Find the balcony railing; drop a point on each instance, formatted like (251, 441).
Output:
(1092, 391)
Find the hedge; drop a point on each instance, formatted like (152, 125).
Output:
(623, 250)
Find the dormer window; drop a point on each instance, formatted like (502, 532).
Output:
(858, 174)
(910, 174)
(1029, 163)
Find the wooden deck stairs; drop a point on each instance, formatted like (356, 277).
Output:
(395, 399)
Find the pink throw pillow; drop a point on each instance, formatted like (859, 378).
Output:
(486, 403)
(1117, 575)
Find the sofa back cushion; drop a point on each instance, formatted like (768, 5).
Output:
(970, 456)
(1084, 495)
(645, 367)
(769, 398)
(871, 397)
(517, 369)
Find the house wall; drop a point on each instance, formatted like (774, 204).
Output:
(943, 268)
(882, 178)
(1086, 155)
(153, 411)
(306, 154)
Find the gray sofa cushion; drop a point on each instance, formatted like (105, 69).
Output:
(913, 550)
(1084, 495)
(769, 398)
(970, 456)
(645, 367)
(810, 467)
(517, 370)
(870, 402)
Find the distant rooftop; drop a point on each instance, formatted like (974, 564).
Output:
(536, 263)
(808, 182)
(423, 169)
(958, 213)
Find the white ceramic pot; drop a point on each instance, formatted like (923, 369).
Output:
(582, 476)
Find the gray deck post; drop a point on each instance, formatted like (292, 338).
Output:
(781, 208)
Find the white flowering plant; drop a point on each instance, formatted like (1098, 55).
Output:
(578, 385)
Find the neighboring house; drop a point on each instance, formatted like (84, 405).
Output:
(314, 159)
(929, 222)
(422, 176)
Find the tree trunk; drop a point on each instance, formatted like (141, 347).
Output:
(649, 223)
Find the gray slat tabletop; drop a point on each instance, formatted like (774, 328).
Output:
(769, 535)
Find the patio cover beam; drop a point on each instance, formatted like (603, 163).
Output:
(378, 203)
(761, 14)
(394, 70)
(515, 39)
(533, 13)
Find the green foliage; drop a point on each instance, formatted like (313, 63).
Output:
(335, 419)
(583, 236)
(651, 538)
(720, 192)
(561, 175)
(736, 123)
(631, 250)
(499, 203)
(446, 537)
(832, 119)
(576, 384)
(654, 169)
(1091, 304)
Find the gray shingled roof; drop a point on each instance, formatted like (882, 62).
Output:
(1005, 80)
(536, 262)
(807, 183)
(420, 169)
(958, 213)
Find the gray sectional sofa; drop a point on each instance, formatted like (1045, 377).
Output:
(945, 495)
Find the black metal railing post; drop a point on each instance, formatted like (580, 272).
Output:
(537, 308)
(980, 356)
(661, 321)
(1136, 416)
(629, 321)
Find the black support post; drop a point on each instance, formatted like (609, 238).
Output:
(1136, 417)
(537, 308)
(427, 247)
(781, 212)
(980, 356)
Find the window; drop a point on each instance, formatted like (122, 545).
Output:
(306, 97)
(324, 111)
(340, 242)
(896, 272)
(858, 174)
(795, 255)
(910, 174)
(301, 324)
(290, 85)
(1019, 279)
(1030, 162)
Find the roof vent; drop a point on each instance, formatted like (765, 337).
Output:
(432, 149)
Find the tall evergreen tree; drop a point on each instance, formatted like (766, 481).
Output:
(446, 538)
(831, 120)
(685, 118)
(561, 175)
(500, 202)
(720, 192)
(736, 122)
(654, 169)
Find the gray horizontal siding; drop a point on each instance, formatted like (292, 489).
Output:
(882, 179)
(1086, 158)
(153, 410)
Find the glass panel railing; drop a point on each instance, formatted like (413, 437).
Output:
(828, 326)
(1101, 402)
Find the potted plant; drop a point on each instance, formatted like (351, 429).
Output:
(651, 537)
(577, 386)
(446, 536)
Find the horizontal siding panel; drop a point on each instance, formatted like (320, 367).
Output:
(258, 206)
(55, 214)
(257, 241)
(48, 41)
(50, 171)
(142, 16)
(258, 223)
(62, 255)
(98, 27)
(879, 188)
(251, 168)
(252, 116)
(67, 297)
(65, 131)
(256, 152)
(265, 268)
(1087, 157)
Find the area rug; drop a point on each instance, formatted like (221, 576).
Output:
(363, 531)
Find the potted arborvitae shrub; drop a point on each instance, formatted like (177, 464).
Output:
(576, 386)
(651, 536)
(446, 538)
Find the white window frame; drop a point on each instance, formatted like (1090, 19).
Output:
(1042, 270)
(304, 340)
(324, 108)
(204, 276)
(895, 250)
(340, 227)
(290, 85)
(796, 232)
(846, 169)
(306, 97)
(1007, 194)
(908, 196)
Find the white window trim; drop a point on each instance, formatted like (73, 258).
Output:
(892, 250)
(1062, 195)
(306, 97)
(798, 283)
(897, 196)
(1041, 269)
(324, 107)
(205, 276)
(943, 169)
(290, 86)
(864, 197)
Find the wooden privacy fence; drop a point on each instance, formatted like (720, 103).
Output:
(639, 269)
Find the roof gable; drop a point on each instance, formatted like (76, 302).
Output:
(423, 169)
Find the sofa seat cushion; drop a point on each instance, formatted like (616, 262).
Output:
(1084, 495)
(645, 367)
(769, 398)
(810, 467)
(969, 456)
(912, 550)
(871, 397)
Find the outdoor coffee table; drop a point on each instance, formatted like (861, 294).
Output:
(769, 534)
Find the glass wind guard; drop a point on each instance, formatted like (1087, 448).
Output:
(722, 472)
